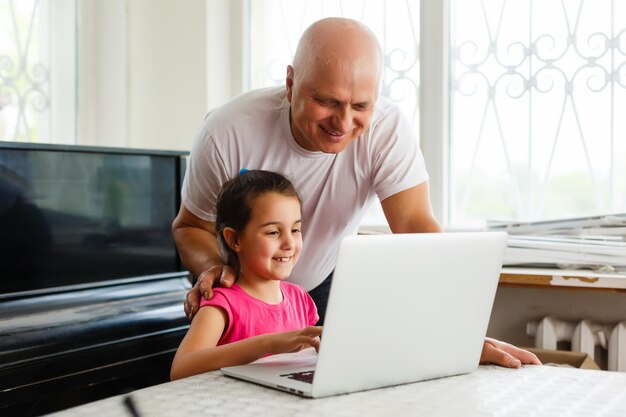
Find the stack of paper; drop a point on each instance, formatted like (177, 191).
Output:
(597, 243)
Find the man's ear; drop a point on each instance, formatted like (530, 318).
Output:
(231, 238)
(289, 82)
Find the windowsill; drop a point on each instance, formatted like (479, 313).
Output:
(379, 229)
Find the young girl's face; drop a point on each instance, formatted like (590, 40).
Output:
(269, 245)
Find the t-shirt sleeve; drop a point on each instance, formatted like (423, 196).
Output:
(204, 176)
(312, 310)
(398, 163)
(309, 307)
(221, 301)
(305, 306)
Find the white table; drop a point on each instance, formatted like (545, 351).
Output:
(489, 391)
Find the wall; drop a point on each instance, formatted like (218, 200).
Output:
(142, 73)
(101, 112)
(167, 94)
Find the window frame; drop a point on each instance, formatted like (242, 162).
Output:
(228, 34)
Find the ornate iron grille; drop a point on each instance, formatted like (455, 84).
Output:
(538, 103)
(279, 24)
(276, 27)
(24, 77)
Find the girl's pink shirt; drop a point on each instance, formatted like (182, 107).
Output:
(248, 316)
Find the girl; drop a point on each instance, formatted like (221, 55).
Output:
(258, 230)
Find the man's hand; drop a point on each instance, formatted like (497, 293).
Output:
(218, 275)
(295, 341)
(505, 354)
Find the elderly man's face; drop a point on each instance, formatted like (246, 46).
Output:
(332, 106)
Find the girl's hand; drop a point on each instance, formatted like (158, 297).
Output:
(296, 340)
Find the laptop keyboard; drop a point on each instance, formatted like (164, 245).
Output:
(304, 376)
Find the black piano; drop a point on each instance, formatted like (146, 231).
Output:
(91, 286)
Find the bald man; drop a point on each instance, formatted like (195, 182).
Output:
(341, 144)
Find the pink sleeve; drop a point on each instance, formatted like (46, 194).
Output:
(307, 311)
(311, 309)
(219, 300)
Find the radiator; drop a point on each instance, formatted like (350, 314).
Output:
(584, 336)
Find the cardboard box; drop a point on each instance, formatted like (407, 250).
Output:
(564, 358)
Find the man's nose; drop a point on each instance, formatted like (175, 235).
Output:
(343, 119)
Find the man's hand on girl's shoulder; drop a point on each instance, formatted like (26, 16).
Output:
(218, 275)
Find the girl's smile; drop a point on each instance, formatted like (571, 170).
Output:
(270, 244)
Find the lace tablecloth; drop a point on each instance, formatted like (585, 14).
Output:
(489, 391)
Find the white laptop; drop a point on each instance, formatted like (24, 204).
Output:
(402, 308)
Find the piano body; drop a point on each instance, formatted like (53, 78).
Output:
(91, 286)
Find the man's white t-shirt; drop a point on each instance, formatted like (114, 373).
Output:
(252, 131)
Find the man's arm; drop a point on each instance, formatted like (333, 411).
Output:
(197, 245)
(409, 211)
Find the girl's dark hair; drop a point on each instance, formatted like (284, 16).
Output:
(235, 200)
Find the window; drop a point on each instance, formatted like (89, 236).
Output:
(533, 129)
(37, 71)
(103, 73)
(538, 100)
(276, 27)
